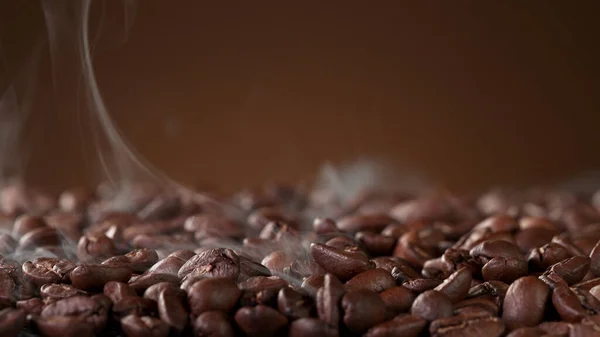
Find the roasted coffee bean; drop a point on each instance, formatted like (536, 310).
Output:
(171, 308)
(525, 303)
(526, 332)
(117, 290)
(411, 251)
(26, 223)
(397, 299)
(7, 290)
(134, 305)
(213, 294)
(556, 328)
(217, 263)
(339, 263)
(344, 243)
(292, 304)
(368, 222)
(12, 321)
(47, 270)
(420, 285)
(249, 268)
(403, 270)
(213, 323)
(328, 300)
(170, 265)
(479, 304)
(90, 310)
(312, 283)
(94, 277)
(362, 309)
(63, 326)
(305, 268)
(530, 238)
(139, 260)
(154, 290)
(376, 280)
(573, 304)
(432, 305)
(135, 326)
(142, 282)
(95, 248)
(311, 327)
(505, 270)
(540, 259)
(324, 226)
(477, 325)
(31, 306)
(277, 261)
(495, 248)
(53, 292)
(376, 244)
(260, 320)
(595, 260)
(571, 270)
(407, 326)
(457, 286)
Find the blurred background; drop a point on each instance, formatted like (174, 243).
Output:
(472, 94)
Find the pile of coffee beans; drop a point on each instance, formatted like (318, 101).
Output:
(277, 261)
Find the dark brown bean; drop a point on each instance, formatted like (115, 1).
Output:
(117, 290)
(53, 292)
(468, 326)
(170, 265)
(94, 277)
(420, 285)
(376, 280)
(213, 294)
(47, 270)
(398, 299)
(555, 328)
(504, 269)
(573, 304)
(135, 326)
(324, 226)
(339, 263)
(362, 309)
(526, 332)
(63, 326)
(406, 326)
(525, 303)
(31, 306)
(292, 304)
(367, 222)
(496, 248)
(12, 321)
(432, 305)
(376, 244)
(154, 290)
(217, 263)
(403, 270)
(477, 304)
(540, 259)
(311, 327)
(531, 238)
(213, 323)
(277, 261)
(92, 311)
(142, 282)
(95, 248)
(595, 260)
(571, 270)
(457, 285)
(328, 300)
(171, 308)
(260, 320)
(26, 223)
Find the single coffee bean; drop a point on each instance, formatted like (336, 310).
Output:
(504, 269)
(463, 325)
(311, 327)
(213, 323)
(171, 309)
(139, 260)
(277, 261)
(170, 265)
(292, 304)
(402, 325)
(94, 277)
(92, 311)
(478, 304)
(134, 305)
(249, 268)
(420, 285)
(496, 248)
(213, 294)
(31, 306)
(595, 260)
(217, 263)
(12, 321)
(47, 270)
(135, 326)
(403, 270)
(367, 222)
(457, 286)
(305, 268)
(540, 259)
(260, 320)
(7, 290)
(53, 292)
(397, 299)
(573, 304)
(530, 238)
(411, 251)
(63, 326)
(339, 263)
(117, 290)
(556, 328)
(154, 290)
(311, 284)
(376, 244)
(376, 280)
(571, 270)
(328, 300)
(142, 282)
(525, 303)
(432, 305)
(527, 332)
(362, 309)
(324, 226)
(95, 248)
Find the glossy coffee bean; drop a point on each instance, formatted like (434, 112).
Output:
(260, 320)
(213, 294)
(407, 325)
(94, 277)
(376, 280)
(135, 326)
(342, 264)
(432, 305)
(362, 309)
(213, 323)
(525, 303)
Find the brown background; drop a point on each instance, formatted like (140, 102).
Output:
(471, 94)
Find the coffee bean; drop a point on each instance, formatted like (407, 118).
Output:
(305, 268)
(496, 248)
(530, 238)
(432, 305)
(408, 326)
(47, 270)
(573, 304)
(213, 294)
(53, 292)
(403, 270)
(135, 326)
(463, 325)
(31, 306)
(91, 311)
(134, 305)
(411, 251)
(12, 321)
(95, 248)
(339, 263)
(260, 320)
(142, 282)
(525, 303)
(479, 304)
(213, 323)
(504, 269)
(376, 244)
(362, 309)
(311, 327)
(420, 285)
(376, 280)
(457, 286)
(94, 277)
(170, 265)
(526, 332)
(217, 263)
(117, 290)
(595, 260)
(171, 308)
(292, 304)
(26, 223)
(63, 326)
(328, 300)
(324, 226)
(398, 299)
(571, 270)
(555, 328)
(277, 261)
(540, 259)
